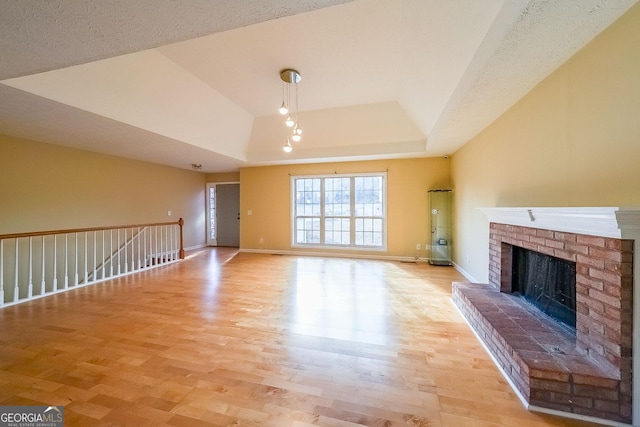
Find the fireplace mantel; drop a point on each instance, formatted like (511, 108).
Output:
(615, 222)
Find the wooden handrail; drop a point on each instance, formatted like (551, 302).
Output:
(180, 223)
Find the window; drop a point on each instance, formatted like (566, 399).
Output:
(211, 215)
(346, 211)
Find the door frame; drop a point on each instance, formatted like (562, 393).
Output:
(212, 241)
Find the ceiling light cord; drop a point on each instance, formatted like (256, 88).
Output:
(283, 108)
(289, 122)
(297, 131)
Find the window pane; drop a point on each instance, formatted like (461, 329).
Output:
(308, 196)
(337, 231)
(369, 196)
(368, 232)
(308, 230)
(337, 195)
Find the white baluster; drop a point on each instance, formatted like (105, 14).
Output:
(144, 253)
(176, 242)
(133, 250)
(16, 290)
(170, 242)
(118, 250)
(55, 263)
(43, 287)
(86, 249)
(95, 277)
(110, 253)
(1, 273)
(173, 243)
(66, 261)
(30, 286)
(104, 258)
(160, 241)
(76, 276)
(162, 245)
(126, 250)
(139, 248)
(156, 245)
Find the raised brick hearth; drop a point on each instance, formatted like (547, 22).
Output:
(587, 372)
(540, 357)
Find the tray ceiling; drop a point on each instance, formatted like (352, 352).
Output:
(177, 83)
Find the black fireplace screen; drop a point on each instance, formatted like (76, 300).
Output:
(547, 282)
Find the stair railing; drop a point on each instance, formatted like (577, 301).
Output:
(38, 264)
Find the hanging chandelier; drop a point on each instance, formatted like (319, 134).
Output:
(290, 78)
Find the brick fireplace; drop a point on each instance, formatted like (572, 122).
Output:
(586, 372)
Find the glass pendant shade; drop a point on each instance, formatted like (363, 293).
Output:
(296, 137)
(289, 122)
(283, 109)
(287, 147)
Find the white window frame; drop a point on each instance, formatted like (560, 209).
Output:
(352, 217)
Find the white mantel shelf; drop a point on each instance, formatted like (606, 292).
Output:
(616, 222)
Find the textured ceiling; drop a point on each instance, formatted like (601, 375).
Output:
(197, 82)
(38, 35)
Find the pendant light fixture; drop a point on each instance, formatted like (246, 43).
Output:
(287, 147)
(296, 136)
(290, 77)
(289, 122)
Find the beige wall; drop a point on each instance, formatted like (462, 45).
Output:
(223, 177)
(47, 187)
(266, 192)
(572, 141)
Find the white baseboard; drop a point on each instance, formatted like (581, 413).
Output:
(193, 248)
(336, 255)
(468, 276)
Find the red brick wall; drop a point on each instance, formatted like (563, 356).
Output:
(604, 285)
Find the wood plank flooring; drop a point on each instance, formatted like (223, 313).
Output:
(226, 339)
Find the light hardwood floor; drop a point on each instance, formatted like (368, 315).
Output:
(258, 340)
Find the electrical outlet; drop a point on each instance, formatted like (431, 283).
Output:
(418, 247)
(261, 240)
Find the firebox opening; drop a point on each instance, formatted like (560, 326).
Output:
(547, 282)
